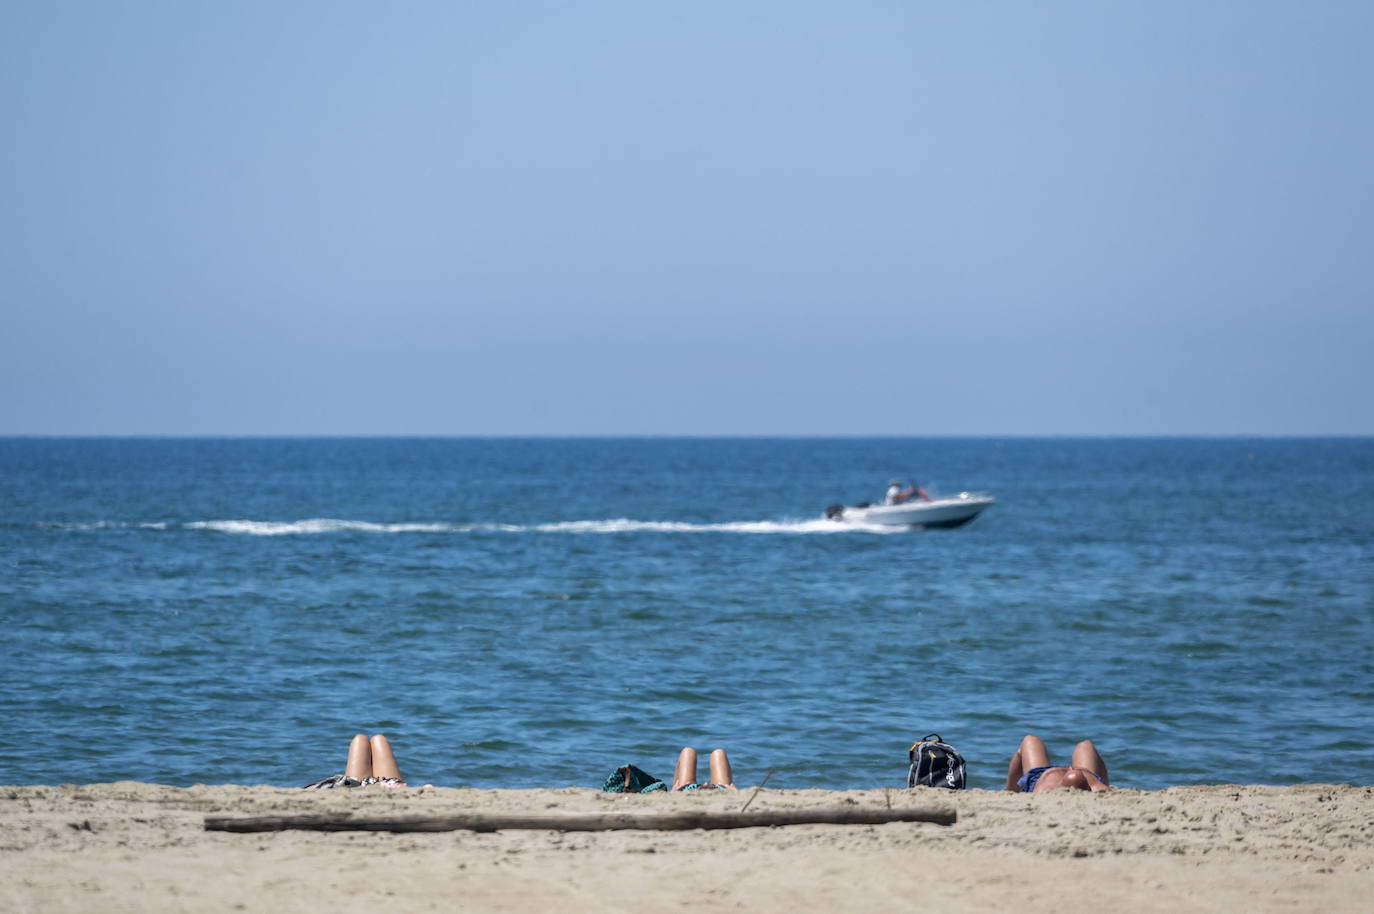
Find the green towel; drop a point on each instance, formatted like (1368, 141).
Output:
(630, 779)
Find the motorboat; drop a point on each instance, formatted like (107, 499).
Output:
(945, 511)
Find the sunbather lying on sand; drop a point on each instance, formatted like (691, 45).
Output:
(1031, 771)
(685, 777)
(369, 762)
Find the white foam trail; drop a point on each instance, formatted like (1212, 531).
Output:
(624, 525)
(95, 525)
(314, 525)
(319, 525)
(102, 525)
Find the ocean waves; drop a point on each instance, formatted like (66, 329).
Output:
(235, 615)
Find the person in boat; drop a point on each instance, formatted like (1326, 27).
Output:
(896, 495)
(371, 762)
(1031, 771)
(685, 776)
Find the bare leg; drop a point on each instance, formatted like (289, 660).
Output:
(383, 759)
(720, 769)
(359, 759)
(1085, 756)
(686, 772)
(1030, 754)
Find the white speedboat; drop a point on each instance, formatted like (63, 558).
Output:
(946, 511)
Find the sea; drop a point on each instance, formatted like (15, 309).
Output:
(535, 612)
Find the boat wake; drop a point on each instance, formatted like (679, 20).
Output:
(324, 525)
(623, 525)
(312, 526)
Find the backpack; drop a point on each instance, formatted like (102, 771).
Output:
(935, 763)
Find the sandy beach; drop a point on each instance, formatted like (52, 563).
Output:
(143, 847)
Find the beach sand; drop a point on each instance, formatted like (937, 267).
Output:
(143, 847)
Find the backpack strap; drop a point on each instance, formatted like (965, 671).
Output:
(928, 738)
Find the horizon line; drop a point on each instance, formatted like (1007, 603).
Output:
(677, 436)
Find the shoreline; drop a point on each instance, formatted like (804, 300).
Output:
(136, 846)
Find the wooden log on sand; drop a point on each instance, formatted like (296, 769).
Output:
(666, 821)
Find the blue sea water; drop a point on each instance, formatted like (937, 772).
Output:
(536, 612)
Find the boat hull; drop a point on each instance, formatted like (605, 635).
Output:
(954, 511)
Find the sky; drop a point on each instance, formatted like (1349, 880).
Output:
(733, 218)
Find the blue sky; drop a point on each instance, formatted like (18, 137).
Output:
(908, 218)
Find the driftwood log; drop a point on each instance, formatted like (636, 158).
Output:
(665, 821)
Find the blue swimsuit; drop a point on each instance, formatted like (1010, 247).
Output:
(1030, 778)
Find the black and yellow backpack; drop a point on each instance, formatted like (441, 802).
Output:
(935, 763)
